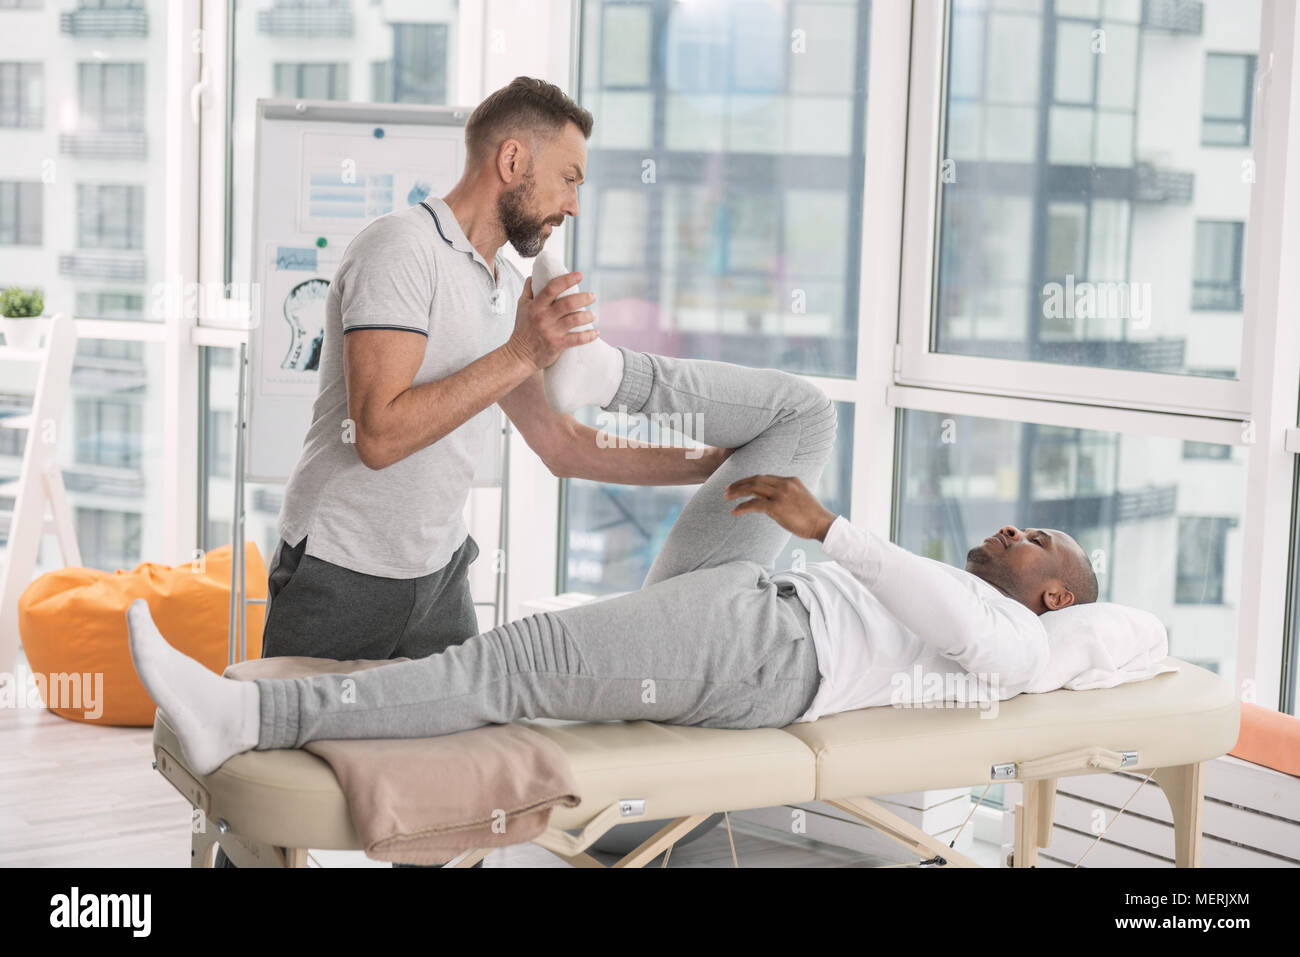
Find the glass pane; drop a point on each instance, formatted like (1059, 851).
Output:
(727, 188)
(1160, 518)
(82, 130)
(109, 448)
(329, 50)
(261, 501)
(1107, 185)
(614, 532)
(1229, 99)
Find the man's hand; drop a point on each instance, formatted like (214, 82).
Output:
(786, 500)
(542, 323)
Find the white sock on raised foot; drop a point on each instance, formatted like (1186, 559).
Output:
(588, 374)
(214, 717)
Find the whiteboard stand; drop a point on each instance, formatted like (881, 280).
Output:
(499, 590)
(40, 480)
(239, 600)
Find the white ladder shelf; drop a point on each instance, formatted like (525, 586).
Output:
(40, 480)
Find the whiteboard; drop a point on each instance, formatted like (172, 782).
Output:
(322, 171)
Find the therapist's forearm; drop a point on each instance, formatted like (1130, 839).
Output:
(421, 415)
(602, 457)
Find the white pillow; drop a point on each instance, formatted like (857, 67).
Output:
(1101, 645)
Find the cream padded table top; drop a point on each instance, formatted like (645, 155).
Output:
(1178, 718)
(291, 798)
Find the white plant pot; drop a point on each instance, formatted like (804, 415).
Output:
(22, 333)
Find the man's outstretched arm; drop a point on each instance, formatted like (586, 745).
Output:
(573, 450)
(952, 616)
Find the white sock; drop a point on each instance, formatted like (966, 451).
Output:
(589, 374)
(214, 717)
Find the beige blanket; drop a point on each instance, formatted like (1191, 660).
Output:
(426, 800)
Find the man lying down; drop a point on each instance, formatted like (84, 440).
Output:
(715, 637)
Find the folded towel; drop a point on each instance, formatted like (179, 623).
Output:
(1101, 645)
(426, 800)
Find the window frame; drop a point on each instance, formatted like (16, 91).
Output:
(1248, 104)
(1257, 410)
(916, 365)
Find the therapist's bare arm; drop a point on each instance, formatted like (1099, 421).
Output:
(573, 450)
(394, 418)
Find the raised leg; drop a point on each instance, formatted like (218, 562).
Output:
(778, 424)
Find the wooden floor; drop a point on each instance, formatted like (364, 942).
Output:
(73, 794)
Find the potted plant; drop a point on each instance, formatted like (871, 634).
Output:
(20, 317)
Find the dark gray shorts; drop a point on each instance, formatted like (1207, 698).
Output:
(321, 610)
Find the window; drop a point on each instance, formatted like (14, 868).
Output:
(1228, 100)
(110, 305)
(419, 71)
(108, 432)
(111, 96)
(108, 539)
(1202, 548)
(220, 440)
(1216, 275)
(21, 221)
(312, 81)
(1123, 497)
(1206, 450)
(1067, 201)
(110, 216)
(22, 95)
(381, 80)
(722, 209)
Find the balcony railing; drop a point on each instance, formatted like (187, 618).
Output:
(1154, 501)
(1153, 355)
(1216, 296)
(125, 146)
(1174, 16)
(121, 22)
(330, 21)
(114, 481)
(96, 265)
(1154, 184)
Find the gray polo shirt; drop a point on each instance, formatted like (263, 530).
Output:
(411, 269)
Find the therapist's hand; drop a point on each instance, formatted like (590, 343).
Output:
(542, 322)
(786, 500)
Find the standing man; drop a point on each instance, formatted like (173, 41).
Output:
(419, 342)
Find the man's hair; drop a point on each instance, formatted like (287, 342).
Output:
(524, 106)
(1082, 581)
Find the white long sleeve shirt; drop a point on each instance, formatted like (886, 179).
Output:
(891, 627)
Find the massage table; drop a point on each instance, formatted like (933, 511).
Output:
(266, 808)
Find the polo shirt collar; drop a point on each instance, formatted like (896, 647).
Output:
(449, 228)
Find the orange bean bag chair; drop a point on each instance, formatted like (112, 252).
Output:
(73, 627)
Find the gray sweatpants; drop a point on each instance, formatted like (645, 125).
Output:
(708, 640)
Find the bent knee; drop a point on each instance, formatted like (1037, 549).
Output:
(818, 421)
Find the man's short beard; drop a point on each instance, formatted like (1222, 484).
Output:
(524, 232)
